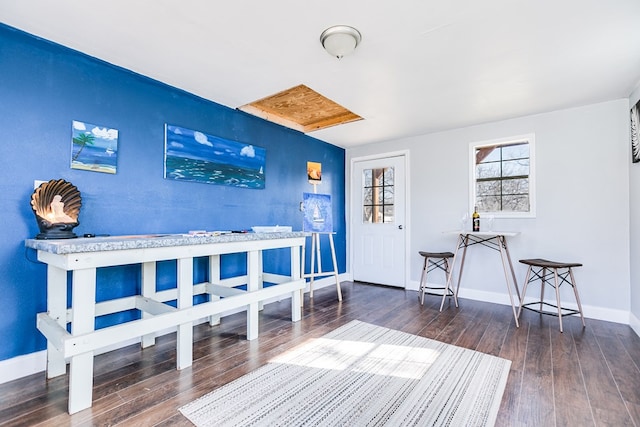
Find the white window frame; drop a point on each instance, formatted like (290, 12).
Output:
(530, 138)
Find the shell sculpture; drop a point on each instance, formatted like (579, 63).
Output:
(56, 205)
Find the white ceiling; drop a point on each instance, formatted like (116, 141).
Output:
(423, 65)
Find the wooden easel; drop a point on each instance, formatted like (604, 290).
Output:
(316, 256)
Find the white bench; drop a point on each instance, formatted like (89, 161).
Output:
(83, 256)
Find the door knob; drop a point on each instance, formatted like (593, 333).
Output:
(400, 227)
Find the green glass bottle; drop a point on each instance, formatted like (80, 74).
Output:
(476, 219)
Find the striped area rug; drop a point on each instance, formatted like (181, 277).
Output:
(362, 375)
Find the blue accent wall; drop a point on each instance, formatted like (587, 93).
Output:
(44, 86)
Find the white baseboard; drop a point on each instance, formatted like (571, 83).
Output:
(29, 364)
(634, 322)
(589, 311)
(23, 366)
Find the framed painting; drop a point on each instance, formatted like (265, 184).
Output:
(94, 148)
(314, 172)
(191, 155)
(635, 133)
(317, 213)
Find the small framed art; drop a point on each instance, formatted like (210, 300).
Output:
(94, 148)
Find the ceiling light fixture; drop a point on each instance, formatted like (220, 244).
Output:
(340, 40)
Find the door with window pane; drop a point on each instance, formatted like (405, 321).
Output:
(377, 221)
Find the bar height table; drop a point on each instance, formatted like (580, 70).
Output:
(496, 240)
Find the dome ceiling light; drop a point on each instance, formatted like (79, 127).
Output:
(340, 40)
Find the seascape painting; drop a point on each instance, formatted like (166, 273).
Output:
(195, 156)
(317, 213)
(94, 148)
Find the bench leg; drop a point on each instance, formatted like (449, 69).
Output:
(83, 315)
(296, 309)
(253, 274)
(184, 335)
(148, 290)
(57, 308)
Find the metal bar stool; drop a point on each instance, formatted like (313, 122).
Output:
(544, 270)
(433, 261)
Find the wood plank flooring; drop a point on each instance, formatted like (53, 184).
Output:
(581, 377)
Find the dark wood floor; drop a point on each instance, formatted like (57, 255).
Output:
(580, 377)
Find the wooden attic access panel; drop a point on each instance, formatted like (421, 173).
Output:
(300, 108)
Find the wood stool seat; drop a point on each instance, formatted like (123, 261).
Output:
(433, 261)
(539, 262)
(436, 254)
(544, 270)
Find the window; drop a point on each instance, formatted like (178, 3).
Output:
(502, 177)
(378, 195)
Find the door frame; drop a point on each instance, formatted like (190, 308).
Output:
(407, 213)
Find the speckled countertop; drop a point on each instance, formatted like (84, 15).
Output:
(114, 243)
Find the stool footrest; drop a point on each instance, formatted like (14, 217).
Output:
(427, 289)
(565, 311)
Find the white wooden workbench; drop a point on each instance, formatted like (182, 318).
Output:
(83, 256)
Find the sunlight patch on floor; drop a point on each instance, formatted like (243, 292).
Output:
(361, 356)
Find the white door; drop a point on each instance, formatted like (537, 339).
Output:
(378, 221)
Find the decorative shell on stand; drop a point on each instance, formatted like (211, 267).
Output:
(57, 202)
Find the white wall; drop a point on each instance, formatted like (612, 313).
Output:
(583, 161)
(634, 199)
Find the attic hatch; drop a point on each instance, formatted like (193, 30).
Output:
(300, 108)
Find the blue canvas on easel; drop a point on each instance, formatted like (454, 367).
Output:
(317, 213)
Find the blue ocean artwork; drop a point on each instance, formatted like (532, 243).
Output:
(196, 156)
(317, 213)
(94, 148)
